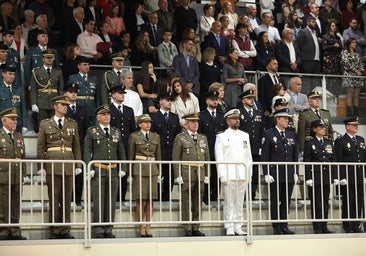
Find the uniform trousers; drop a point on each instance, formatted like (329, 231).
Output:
(104, 195)
(234, 191)
(352, 201)
(59, 194)
(212, 188)
(167, 183)
(280, 202)
(14, 208)
(319, 196)
(192, 194)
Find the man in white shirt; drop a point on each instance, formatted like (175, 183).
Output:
(132, 99)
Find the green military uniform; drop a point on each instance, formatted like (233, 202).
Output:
(44, 87)
(99, 146)
(141, 149)
(59, 144)
(186, 149)
(10, 148)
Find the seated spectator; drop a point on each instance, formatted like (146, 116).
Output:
(154, 30)
(115, 21)
(244, 46)
(146, 87)
(184, 102)
(143, 50)
(112, 40)
(88, 41)
(265, 51)
(167, 50)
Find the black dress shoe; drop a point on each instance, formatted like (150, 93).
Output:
(109, 235)
(326, 231)
(197, 233)
(3, 237)
(348, 231)
(17, 237)
(99, 235)
(357, 230)
(318, 232)
(277, 231)
(287, 231)
(54, 236)
(66, 236)
(189, 233)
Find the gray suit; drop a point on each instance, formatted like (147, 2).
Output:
(306, 45)
(299, 102)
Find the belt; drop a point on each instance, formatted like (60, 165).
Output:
(144, 158)
(85, 97)
(48, 90)
(193, 165)
(105, 166)
(63, 149)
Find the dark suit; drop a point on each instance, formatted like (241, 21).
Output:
(306, 46)
(254, 126)
(283, 57)
(210, 127)
(221, 50)
(155, 37)
(167, 131)
(353, 193)
(9, 24)
(275, 149)
(71, 30)
(321, 176)
(125, 122)
(89, 16)
(319, 31)
(187, 74)
(265, 84)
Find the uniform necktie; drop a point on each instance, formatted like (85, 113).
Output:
(119, 73)
(213, 115)
(120, 109)
(11, 136)
(317, 113)
(60, 123)
(354, 139)
(251, 113)
(321, 142)
(166, 117)
(73, 109)
(218, 39)
(147, 136)
(9, 87)
(48, 71)
(194, 137)
(106, 131)
(84, 77)
(275, 79)
(283, 137)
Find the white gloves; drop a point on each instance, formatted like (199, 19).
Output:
(121, 173)
(91, 174)
(35, 108)
(24, 130)
(343, 182)
(129, 180)
(179, 180)
(223, 179)
(335, 182)
(160, 179)
(268, 179)
(309, 183)
(78, 171)
(296, 178)
(42, 172)
(206, 180)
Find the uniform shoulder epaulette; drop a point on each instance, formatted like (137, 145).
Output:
(36, 68)
(109, 71)
(70, 119)
(219, 132)
(44, 120)
(308, 138)
(324, 109)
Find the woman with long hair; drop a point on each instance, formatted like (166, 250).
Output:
(69, 64)
(227, 10)
(146, 87)
(294, 23)
(265, 51)
(233, 76)
(222, 106)
(352, 66)
(115, 22)
(184, 102)
(143, 50)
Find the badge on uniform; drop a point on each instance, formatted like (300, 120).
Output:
(258, 118)
(15, 99)
(245, 143)
(20, 143)
(290, 141)
(115, 137)
(348, 145)
(70, 131)
(92, 85)
(203, 144)
(313, 147)
(362, 145)
(329, 149)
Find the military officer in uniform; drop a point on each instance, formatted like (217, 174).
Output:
(251, 122)
(58, 139)
(13, 57)
(89, 90)
(351, 148)
(166, 124)
(12, 96)
(233, 145)
(279, 104)
(46, 82)
(112, 78)
(311, 114)
(144, 145)
(211, 123)
(280, 145)
(319, 177)
(80, 115)
(104, 142)
(123, 118)
(191, 146)
(12, 147)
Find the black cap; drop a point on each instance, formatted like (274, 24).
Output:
(317, 123)
(4, 47)
(247, 94)
(212, 95)
(42, 32)
(48, 53)
(352, 120)
(314, 94)
(280, 101)
(118, 88)
(7, 68)
(166, 96)
(82, 59)
(71, 87)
